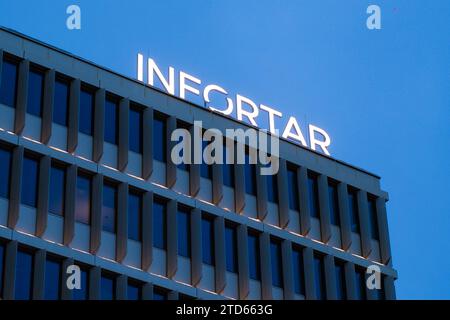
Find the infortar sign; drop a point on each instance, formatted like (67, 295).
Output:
(245, 107)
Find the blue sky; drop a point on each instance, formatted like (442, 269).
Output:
(382, 95)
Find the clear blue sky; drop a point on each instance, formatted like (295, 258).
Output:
(383, 96)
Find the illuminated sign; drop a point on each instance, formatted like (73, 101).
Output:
(245, 107)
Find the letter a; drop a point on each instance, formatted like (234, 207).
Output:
(74, 280)
(74, 20)
(374, 20)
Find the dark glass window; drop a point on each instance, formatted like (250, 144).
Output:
(57, 190)
(373, 219)
(231, 249)
(52, 279)
(159, 225)
(24, 276)
(135, 137)
(360, 284)
(61, 102)
(313, 195)
(205, 169)
(86, 114)
(379, 293)
(299, 273)
(159, 295)
(134, 291)
(30, 176)
(111, 121)
(184, 232)
(82, 293)
(272, 188)
(277, 267)
(35, 93)
(228, 172)
(208, 241)
(134, 216)
(250, 176)
(159, 139)
(109, 208)
(293, 189)
(340, 281)
(319, 278)
(2, 263)
(353, 210)
(5, 172)
(108, 287)
(83, 199)
(8, 85)
(253, 257)
(333, 203)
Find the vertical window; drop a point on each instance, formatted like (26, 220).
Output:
(35, 93)
(319, 278)
(340, 281)
(86, 114)
(205, 169)
(299, 273)
(360, 284)
(333, 203)
(5, 172)
(272, 188)
(24, 276)
(82, 293)
(108, 287)
(52, 279)
(353, 210)
(250, 176)
(277, 267)
(159, 294)
(159, 225)
(184, 234)
(231, 249)
(109, 208)
(253, 257)
(134, 291)
(111, 121)
(61, 102)
(57, 190)
(159, 139)
(313, 195)
(208, 241)
(134, 216)
(8, 85)
(83, 199)
(135, 137)
(228, 172)
(373, 218)
(2, 263)
(30, 176)
(293, 189)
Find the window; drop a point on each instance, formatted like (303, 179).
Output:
(24, 275)
(184, 234)
(5, 172)
(135, 137)
(159, 224)
(341, 293)
(379, 293)
(8, 85)
(61, 102)
(313, 195)
(299, 273)
(109, 208)
(108, 287)
(250, 176)
(231, 249)
(134, 216)
(253, 257)
(35, 93)
(360, 284)
(134, 291)
(86, 114)
(293, 189)
(159, 294)
(159, 139)
(319, 278)
(52, 279)
(208, 241)
(353, 210)
(373, 218)
(272, 188)
(30, 177)
(205, 169)
(82, 293)
(111, 121)
(333, 203)
(2, 263)
(228, 172)
(83, 199)
(277, 267)
(57, 190)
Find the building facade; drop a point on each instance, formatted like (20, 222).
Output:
(86, 179)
